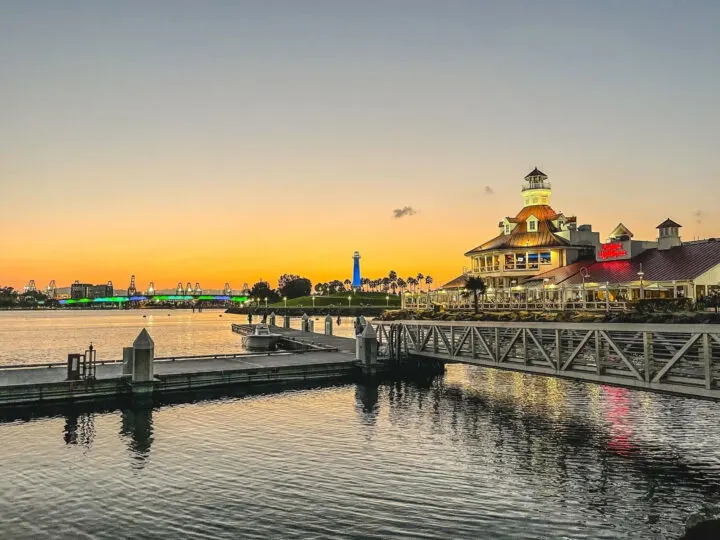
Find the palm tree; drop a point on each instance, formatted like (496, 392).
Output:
(385, 283)
(474, 285)
(412, 282)
(392, 275)
(420, 277)
(401, 283)
(428, 282)
(347, 283)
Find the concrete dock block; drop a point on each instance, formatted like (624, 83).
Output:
(143, 358)
(367, 349)
(127, 367)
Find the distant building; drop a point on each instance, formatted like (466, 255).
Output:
(79, 290)
(88, 290)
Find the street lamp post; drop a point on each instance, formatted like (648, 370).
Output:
(285, 300)
(387, 301)
(265, 302)
(607, 296)
(349, 300)
(313, 299)
(584, 274)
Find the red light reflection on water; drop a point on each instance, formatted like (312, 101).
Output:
(616, 414)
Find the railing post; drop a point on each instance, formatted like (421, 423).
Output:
(435, 331)
(558, 350)
(598, 353)
(452, 341)
(526, 360)
(497, 344)
(648, 355)
(707, 360)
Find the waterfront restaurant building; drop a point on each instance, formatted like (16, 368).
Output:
(543, 258)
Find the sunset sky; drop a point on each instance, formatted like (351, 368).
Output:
(232, 140)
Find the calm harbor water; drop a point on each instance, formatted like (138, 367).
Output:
(476, 453)
(28, 337)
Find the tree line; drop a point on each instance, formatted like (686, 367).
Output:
(9, 298)
(294, 286)
(391, 283)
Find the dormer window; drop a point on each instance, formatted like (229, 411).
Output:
(507, 229)
(532, 225)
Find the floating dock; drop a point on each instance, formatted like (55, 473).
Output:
(313, 357)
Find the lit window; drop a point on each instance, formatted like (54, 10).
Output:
(545, 258)
(532, 225)
(507, 229)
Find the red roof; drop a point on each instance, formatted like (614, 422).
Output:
(681, 263)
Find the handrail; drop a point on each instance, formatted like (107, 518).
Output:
(615, 327)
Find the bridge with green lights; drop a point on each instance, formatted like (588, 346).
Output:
(154, 299)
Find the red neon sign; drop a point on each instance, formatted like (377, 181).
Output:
(614, 250)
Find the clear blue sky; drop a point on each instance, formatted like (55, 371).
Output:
(294, 105)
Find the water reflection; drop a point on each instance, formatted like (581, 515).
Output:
(366, 401)
(565, 452)
(136, 428)
(79, 429)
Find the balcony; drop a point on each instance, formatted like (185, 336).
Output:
(536, 185)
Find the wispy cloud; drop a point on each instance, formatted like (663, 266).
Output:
(699, 215)
(489, 191)
(404, 211)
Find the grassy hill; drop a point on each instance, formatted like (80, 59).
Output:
(359, 299)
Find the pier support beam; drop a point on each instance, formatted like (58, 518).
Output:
(272, 319)
(328, 325)
(367, 350)
(143, 359)
(286, 321)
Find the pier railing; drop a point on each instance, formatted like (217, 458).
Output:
(682, 359)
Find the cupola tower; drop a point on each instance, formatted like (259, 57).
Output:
(536, 188)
